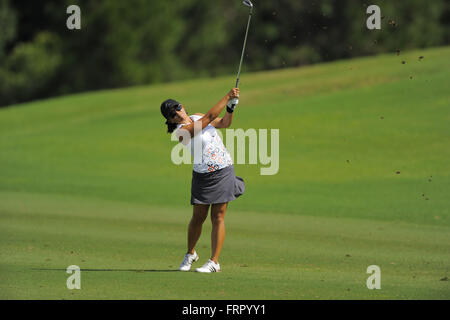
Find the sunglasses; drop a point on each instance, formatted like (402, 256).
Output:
(174, 110)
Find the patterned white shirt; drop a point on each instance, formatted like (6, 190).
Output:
(214, 154)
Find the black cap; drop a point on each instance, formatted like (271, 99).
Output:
(168, 106)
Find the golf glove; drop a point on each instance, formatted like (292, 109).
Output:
(232, 103)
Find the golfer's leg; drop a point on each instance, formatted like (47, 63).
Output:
(218, 229)
(195, 225)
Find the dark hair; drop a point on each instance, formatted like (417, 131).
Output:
(168, 110)
(171, 126)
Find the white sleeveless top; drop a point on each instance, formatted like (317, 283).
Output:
(214, 154)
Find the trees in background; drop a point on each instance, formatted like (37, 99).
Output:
(124, 43)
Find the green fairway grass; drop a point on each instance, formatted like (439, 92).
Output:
(364, 179)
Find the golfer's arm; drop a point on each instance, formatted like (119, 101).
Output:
(218, 123)
(210, 116)
(224, 122)
(215, 111)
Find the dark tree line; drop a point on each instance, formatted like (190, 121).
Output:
(125, 43)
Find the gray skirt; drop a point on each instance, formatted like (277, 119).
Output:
(216, 187)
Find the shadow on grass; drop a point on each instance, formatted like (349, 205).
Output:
(109, 270)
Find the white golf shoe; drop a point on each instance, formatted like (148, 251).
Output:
(188, 260)
(208, 267)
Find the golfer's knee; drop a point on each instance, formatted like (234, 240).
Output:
(198, 219)
(218, 218)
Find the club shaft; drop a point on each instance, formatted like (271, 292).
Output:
(243, 48)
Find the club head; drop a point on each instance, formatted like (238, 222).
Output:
(248, 3)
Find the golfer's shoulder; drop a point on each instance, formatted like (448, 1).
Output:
(194, 117)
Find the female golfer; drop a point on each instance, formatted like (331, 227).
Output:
(214, 182)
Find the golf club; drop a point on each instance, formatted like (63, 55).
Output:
(249, 4)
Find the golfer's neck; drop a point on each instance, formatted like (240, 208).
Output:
(186, 120)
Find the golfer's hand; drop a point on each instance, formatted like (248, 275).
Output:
(234, 93)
